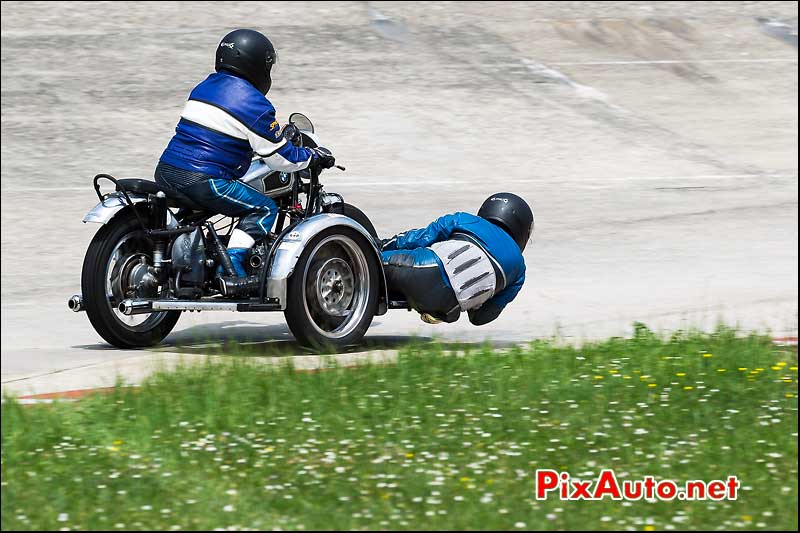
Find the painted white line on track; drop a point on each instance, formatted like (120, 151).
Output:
(428, 181)
(673, 61)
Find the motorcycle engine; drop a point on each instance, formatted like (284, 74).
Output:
(188, 257)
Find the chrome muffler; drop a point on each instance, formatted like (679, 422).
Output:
(140, 307)
(135, 307)
(76, 303)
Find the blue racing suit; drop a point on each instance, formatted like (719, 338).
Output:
(225, 122)
(413, 262)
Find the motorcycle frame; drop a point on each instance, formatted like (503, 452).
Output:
(303, 225)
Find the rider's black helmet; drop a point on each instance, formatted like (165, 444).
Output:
(511, 213)
(248, 54)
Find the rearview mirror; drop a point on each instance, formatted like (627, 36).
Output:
(301, 122)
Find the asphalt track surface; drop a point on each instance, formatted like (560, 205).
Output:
(657, 143)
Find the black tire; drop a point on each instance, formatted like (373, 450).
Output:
(94, 278)
(307, 320)
(349, 210)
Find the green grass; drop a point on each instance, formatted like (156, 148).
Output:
(435, 441)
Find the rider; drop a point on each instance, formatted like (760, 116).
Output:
(462, 262)
(226, 121)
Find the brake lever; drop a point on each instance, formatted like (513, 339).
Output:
(340, 167)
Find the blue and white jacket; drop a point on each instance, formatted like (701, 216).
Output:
(224, 123)
(498, 245)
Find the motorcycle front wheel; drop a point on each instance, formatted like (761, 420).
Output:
(115, 261)
(333, 293)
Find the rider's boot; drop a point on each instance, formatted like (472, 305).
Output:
(238, 256)
(242, 284)
(238, 245)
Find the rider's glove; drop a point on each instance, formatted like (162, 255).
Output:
(322, 158)
(292, 134)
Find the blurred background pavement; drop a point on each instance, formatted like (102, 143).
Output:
(656, 141)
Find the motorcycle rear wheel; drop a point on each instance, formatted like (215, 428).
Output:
(111, 259)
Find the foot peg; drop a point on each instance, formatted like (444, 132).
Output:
(233, 287)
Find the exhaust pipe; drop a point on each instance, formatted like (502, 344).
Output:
(135, 307)
(140, 307)
(76, 303)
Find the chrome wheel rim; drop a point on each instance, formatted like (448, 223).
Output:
(336, 286)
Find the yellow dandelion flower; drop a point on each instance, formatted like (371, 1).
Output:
(613, 371)
(626, 377)
(782, 363)
(651, 385)
(776, 367)
(680, 374)
(464, 479)
(789, 395)
(743, 369)
(649, 528)
(688, 388)
(788, 380)
(747, 518)
(409, 455)
(598, 377)
(117, 443)
(708, 355)
(793, 368)
(721, 370)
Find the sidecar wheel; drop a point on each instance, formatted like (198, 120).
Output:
(333, 292)
(112, 259)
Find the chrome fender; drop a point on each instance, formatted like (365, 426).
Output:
(293, 243)
(114, 203)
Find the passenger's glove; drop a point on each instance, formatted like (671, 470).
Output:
(322, 158)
